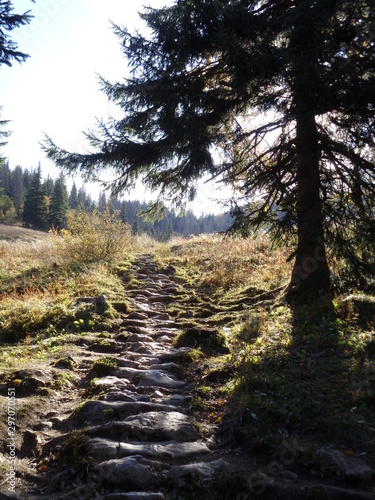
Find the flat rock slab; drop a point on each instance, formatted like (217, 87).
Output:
(107, 449)
(128, 395)
(164, 450)
(137, 315)
(163, 366)
(103, 449)
(134, 472)
(175, 400)
(158, 378)
(101, 410)
(139, 337)
(142, 323)
(181, 474)
(149, 426)
(112, 382)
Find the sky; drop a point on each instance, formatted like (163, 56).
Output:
(57, 92)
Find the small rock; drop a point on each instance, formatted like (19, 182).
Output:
(42, 426)
(351, 467)
(101, 300)
(287, 474)
(181, 474)
(31, 442)
(136, 472)
(156, 378)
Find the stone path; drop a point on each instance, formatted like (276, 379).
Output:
(141, 436)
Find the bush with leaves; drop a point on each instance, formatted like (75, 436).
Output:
(93, 237)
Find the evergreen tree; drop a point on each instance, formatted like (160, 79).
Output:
(36, 203)
(4, 134)
(124, 212)
(169, 231)
(59, 205)
(102, 202)
(17, 188)
(73, 197)
(284, 90)
(135, 226)
(8, 22)
(48, 186)
(4, 178)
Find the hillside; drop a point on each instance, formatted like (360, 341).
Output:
(177, 369)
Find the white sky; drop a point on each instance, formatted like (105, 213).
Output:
(56, 90)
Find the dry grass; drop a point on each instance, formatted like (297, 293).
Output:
(39, 285)
(19, 233)
(223, 262)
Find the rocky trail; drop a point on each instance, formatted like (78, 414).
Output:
(131, 431)
(139, 434)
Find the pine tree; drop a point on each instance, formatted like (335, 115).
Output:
(284, 91)
(59, 205)
(35, 208)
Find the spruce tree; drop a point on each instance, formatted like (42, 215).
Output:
(17, 188)
(59, 205)
(73, 197)
(35, 207)
(169, 231)
(275, 98)
(124, 212)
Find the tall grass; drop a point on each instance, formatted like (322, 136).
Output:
(225, 262)
(41, 277)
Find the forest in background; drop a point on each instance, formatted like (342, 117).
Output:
(28, 199)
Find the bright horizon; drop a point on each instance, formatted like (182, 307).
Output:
(56, 90)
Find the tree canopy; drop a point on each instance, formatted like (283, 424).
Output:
(274, 98)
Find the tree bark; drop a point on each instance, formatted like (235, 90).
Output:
(310, 276)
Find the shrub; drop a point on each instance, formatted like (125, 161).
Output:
(93, 237)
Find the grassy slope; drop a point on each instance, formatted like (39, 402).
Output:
(274, 380)
(292, 380)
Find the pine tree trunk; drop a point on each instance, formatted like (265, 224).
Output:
(310, 276)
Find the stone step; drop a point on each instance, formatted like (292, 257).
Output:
(150, 426)
(106, 449)
(132, 472)
(134, 495)
(137, 315)
(97, 410)
(148, 378)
